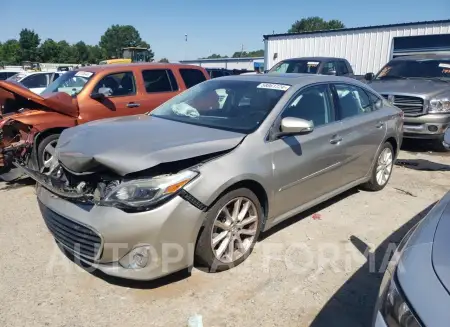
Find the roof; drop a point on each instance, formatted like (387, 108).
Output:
(290, 78)
(315, 58)
(424, 56)
(222, 59)
(446, 21)
(115, 67)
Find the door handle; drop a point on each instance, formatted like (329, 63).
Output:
(380, 124)
(336, 139)
(133, 105)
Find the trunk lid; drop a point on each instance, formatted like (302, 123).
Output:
(14, 94)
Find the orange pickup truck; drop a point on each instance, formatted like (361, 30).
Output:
(31, 123)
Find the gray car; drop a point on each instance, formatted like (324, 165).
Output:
(420, 86)
(415, 288)
(142, 196)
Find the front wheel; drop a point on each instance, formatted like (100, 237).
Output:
(231, 230)
(46, 153)
(381, 172)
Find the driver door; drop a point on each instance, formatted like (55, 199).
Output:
(306, 167)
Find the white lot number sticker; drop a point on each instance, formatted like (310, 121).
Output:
(84, 74)
(444, 65)
(271, 86)
(313, 63)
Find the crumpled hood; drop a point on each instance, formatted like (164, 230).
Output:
(423, 87)
(441, 246)
(60, 102)
(135, 143)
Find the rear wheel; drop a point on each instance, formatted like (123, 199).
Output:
(381, 172)
(231, 230)
(46, 153)
(439, 146)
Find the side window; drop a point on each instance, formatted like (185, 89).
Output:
(192, 77)
(159, 80)
(118, 84)
(329, 67)
(314, 104)
(35, 81)
(353, 101)
(342, 69)
(3, 76)
(55, 76)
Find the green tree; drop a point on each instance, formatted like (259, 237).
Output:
(29, 43)
(311, 24)
(66, 53)
(164, 60)
(245, 54)
(215, 56)
(81, 52)
(49, 51)
(11, 52)
(96, 54)
(117, 37)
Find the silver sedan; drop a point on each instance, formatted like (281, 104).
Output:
(201, 177)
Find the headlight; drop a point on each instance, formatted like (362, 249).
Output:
(147, 192)
(438, 106)
(396, 310)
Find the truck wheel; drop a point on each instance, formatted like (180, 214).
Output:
(382, 170)
(438, 145)
(45, 152)
(231, 230)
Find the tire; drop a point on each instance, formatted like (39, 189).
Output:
(211, 258)
(375, 184)
(41, 155)
(438, 146)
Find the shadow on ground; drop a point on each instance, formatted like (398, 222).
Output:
(9, 186)
(353, 304)
(308, 212)
(422, 164)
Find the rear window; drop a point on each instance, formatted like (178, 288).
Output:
(159, 80)
(192, 77)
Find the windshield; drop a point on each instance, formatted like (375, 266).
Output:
(300, 66)
(425, 68)
(71, 83)
(239, 106)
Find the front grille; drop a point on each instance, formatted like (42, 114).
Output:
(409, 105)
(76, 237)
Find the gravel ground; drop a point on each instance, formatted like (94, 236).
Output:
(309, 271)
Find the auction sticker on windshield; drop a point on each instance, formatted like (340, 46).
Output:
(271, 86)
(313, 63)
(443, 65)
(84, 74)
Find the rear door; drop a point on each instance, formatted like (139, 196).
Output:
(363, 129)
(191, 77)
(159, 85)
(306, 167)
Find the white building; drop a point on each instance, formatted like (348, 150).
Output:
(366, 48)
(249, 63)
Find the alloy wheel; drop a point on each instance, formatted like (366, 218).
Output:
(384, 166)
(49, 161)
(234, 229)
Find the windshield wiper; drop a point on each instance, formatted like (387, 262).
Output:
(393, 77)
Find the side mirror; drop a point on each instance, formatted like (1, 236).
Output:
(98, 96)
(266, 71)
(379, 104)
(369, 76)
(294, 126)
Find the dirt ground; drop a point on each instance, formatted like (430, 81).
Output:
(311, 270)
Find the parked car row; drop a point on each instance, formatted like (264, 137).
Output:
(203, 166)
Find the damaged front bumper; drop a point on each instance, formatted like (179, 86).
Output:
(134, 245)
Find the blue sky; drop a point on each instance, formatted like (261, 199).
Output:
(212, 26)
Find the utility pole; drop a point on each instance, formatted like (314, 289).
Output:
(185, 46)
(242, 50)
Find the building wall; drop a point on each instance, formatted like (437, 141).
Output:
(367, 50)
